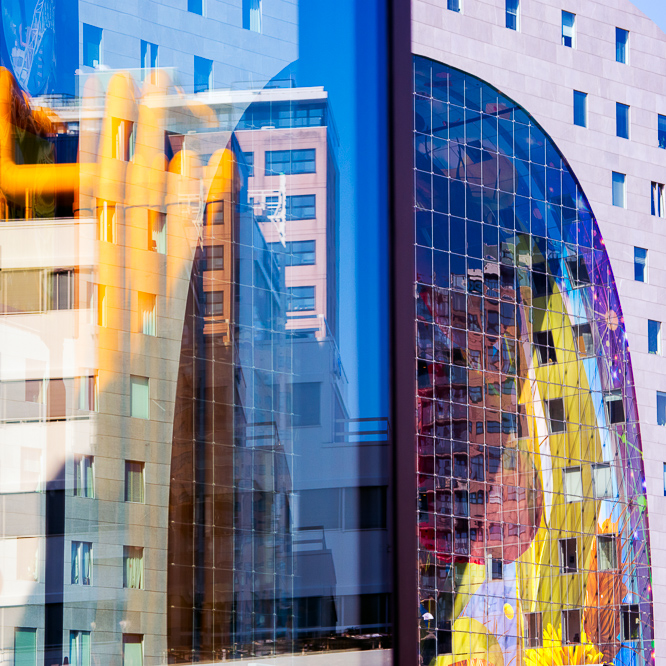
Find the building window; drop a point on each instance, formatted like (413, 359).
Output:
(101, 305)
(513, 14)
(654, 337)
(252, 15)
(84, 478)
(661, 130)
(569, 29)
(454, 5)
(134, 481)
(61, 289)
(602, 480)
(290, 161)
(214, 306)
(148, 56)
(157, 231)
(640, 264)
(249, 163)
(631, 627)
(147, 314)
(578, 272)
(580, 108)
(25, 647)
(664, 479)
(87, 391)
(92, 45)
(27, 559)
(214, 255)
(301, 207)
(583, 340)
(573, 484)
(195, 6)
(621, 45)
(133, 567)
(132, 650)
(306, 400)
(619, 190)
(300, 299)
(124, 139)
(622, 120)
(545, 346)
(657, 200)
(568, 555)
(555, 415)
(606, 552)
(661, 408)
(571, 627)
(297, 253)
(107, 214)
(365, 508)
(139, 397)
(614, 407)
(203, 74)
(532, 630)
(79, 648)
(82, 563)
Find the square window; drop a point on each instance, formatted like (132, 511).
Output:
(654, 337)
(580, 108)
(631, 623)
(92, 45)
(640, 264)
(454, 5)
(132, 650)
(621, 45)
(555, 415)
(543, 341)
(300, 299)
(568, 555)
(147, 314)
(606, 552)
(139, 397)
(661, 131)
(571, 627)
(622, 120)
(573, 484)
(661, 408)
(133, 567)
(195, 6)
(25, 647)
(582, 334)
(252, 15)
(533, 635)
(602, 480)
(513, 14)
(619, 189)
(569, 29)
(79, 648)
(135, 481)
(203, 74)
(614, 407)
(84, 476)
(82, 563)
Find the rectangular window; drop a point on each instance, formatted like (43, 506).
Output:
(568, 555)
(320, 508)
(573, 484)
(134, 481)
(101, 305)
(532, 630)
(606, 552)
(631, 623)
(124, 139)
(569, 29)
(619, 190)
(654, 337)
(661, 131)
(621, 45)
(82, 563)
(513, 14)
(301, 207)
(133, 567)
(571, 627)
(580, 108)
(578, 272)
(622, 120)
(27, 559)
(583, 340)
(203, 74)
(139, 397)
(147, 314)
(23, 291)
(640, 264)
(297, 253)
(614, 407)
(454, 5)
(215, 257)
(214, 306)
(300, 299)
(87, 392)
(249, 162)
(543, 340)
(79, 648)
(92, 45)
(61, 289)
(555, 416)
(602, 480)
(157, 231)
(306, 400)
(25, 647)
(106, 221)
(365, 508)
(290, 161)
(661, 408)
(148, 56)
(657, 200)
(132, 650)
(195, 6)
(252, 15)
(84, 476)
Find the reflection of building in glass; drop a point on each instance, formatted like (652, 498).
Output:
(532, 539)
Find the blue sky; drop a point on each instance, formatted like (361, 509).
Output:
(655, 9)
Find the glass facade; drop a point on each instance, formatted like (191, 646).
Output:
(533, 544)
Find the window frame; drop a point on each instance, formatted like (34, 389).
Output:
(84, 490)
(640, 264)
(77, 551)
(512, 15)
(572, 27)
(622, 47)
(133, 384)
(622, 120)
(654, 336)
(619, 197)
(579, 98)
(142, 485)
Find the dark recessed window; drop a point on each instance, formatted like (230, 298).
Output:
(622, 120)
(568, 555)
(195, 6)
(513, 14)
(621, 45)
(661, 130)
(555, 415)
(301, 298)
(306, 399)
(569, 29)
(619, 189)
(654, 337)
(614, 407)
(533, 635)
(580, 108)
(631, 623)
(571, 627)
(545, 347)
(454, 5)
(203, 74)
(661, 408)
(640, 264)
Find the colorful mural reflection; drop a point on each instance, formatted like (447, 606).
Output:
(533, 531)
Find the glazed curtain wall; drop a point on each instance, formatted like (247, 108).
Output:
(533, 532)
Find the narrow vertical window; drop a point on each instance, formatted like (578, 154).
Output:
(664, 479)
(147, 314)
(573, 484)
(602, 480)
(619, 190)
(84, 477)
(661, 408)
(107, 221)
(571, 627)
(92, 45)
(157, 240)
(139, 397)
(101, 304)
(569, 29)
(454, 5)
(203, 74)
(606, 552)
(580, 108)
(132, 650)
(79, 648)
(252, 15)
(134, 481)
(640, 264)
(533, 630)
(657, 200)
(133, 567)
(568, 555)
(82, 563)
(148, 57)
(654, 337)
(631, 623)
(622, 120)
(555, 415)
(61, 289)
(621, 45)
(513, 14)
(661, 131)
(25, 647)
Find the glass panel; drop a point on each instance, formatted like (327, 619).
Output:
(654, 337)
(25, 647)
(618, 189)
(139, 397)
(580, 108)
(621, 45)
